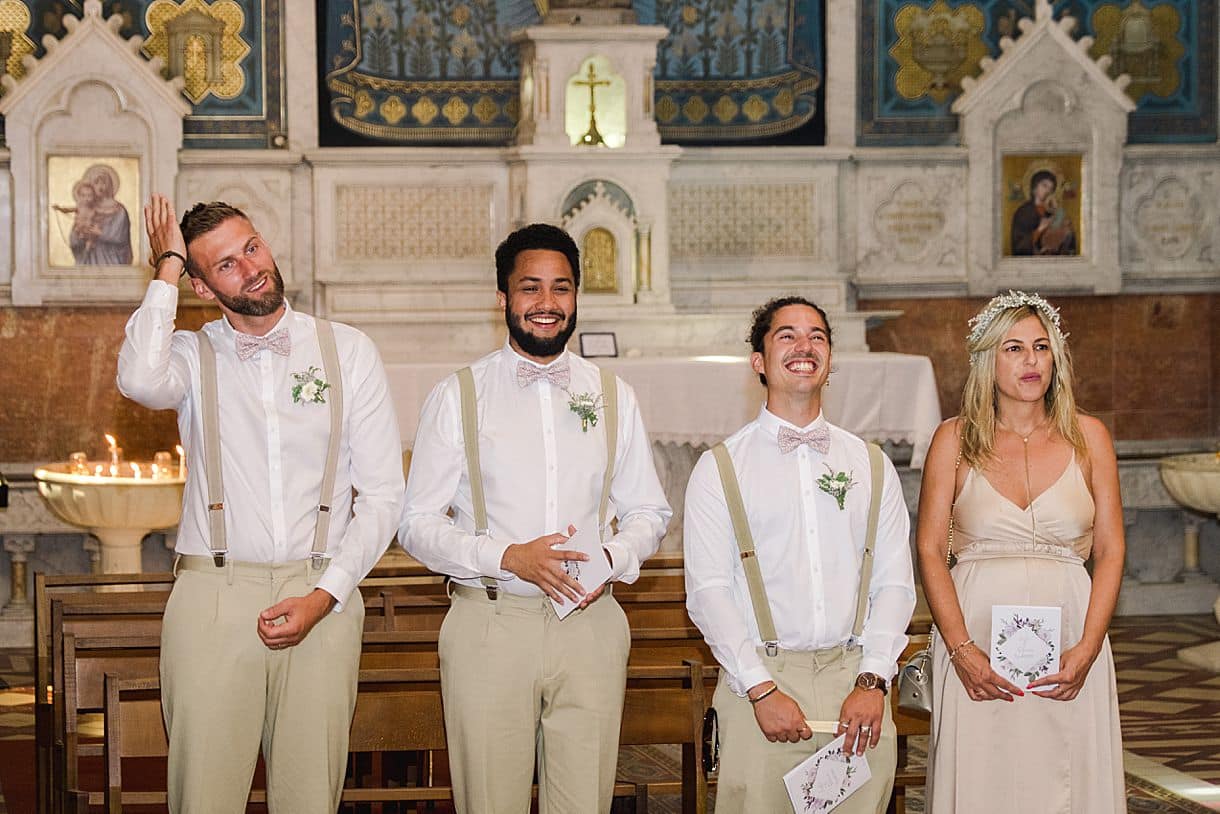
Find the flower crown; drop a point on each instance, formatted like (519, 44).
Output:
(981, 321)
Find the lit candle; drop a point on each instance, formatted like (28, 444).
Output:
(161, 465)
(135, 467)
(181, 465)
(114, 454)
(156, 471)
(97, 470)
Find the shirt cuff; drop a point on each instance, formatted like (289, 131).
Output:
(338, 583)
(751, 678)
(489, 554)
(161, 294)
(618, 559)
(878, 665)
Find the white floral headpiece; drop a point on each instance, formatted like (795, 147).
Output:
(1013, 299)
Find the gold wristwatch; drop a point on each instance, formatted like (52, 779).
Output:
(871, 681)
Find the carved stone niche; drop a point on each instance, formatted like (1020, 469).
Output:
(1044, 127)
(92, 130)
(601, 218)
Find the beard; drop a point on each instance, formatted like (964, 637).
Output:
(266, 303)
(534, 345)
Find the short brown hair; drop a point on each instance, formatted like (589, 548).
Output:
(201, 219)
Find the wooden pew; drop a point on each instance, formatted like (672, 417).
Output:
(400, 710)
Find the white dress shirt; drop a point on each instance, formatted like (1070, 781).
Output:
(273, 450)
(541, 472)
(809, 551)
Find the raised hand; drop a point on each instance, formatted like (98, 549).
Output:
(164, 235)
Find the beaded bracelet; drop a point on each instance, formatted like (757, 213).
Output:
(955, 651)
(763, 694)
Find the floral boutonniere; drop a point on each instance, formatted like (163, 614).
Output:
(309, 389)
(836, 484)
(586, 406)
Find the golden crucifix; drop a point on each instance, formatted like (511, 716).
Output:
(592, 138)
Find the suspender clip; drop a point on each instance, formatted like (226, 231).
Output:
(772, 648)
(218, 557)
(493, 592)
(316, 561)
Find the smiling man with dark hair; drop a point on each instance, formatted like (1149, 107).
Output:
(502, 447)
(803, 606)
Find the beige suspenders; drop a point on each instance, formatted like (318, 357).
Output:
(209, 401)
(474, 471)
(749, 560)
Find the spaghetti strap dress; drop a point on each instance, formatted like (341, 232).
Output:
(1034, 754)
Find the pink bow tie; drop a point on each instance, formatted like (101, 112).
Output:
(818, 438)
(278, 341)
(558, 374)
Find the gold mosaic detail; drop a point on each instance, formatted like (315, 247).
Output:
(425, 110)
(14, 22)
(364, 104)
(667, 109)
(1142, 43)
(725, 109)
(936, 48)
(754, 108)
(486, 109)
(200, 42)
(392, 110)
(600, 262)
(455, 110)
(695, 109)
(784, 102)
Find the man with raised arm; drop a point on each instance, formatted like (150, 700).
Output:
(293, 492)
(513, 454)
(805, 610)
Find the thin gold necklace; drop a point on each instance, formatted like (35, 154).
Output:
(1029, 487)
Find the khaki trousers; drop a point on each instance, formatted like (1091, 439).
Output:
(518, 684)
(752, 768)
(224, 693)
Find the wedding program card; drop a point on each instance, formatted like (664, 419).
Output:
(590, 574)
(1025, 642)
(826, 778)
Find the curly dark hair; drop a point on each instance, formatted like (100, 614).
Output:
(765, 314)
(535, 236)
(201, 219)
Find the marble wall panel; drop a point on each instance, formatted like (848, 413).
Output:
(1170, 219)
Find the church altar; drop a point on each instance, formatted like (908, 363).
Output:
(699, 400)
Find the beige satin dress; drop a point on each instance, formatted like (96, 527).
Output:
(1034, 754)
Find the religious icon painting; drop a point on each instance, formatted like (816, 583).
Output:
(94, 205)
(1040, 206)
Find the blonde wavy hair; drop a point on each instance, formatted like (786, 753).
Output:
(978, 413)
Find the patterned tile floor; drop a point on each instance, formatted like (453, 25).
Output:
(1170, 715)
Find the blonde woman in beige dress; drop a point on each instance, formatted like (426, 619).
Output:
(1032, 487)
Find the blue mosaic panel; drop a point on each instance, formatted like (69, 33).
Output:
(253, 118)
(445, 72)
(1167, 46)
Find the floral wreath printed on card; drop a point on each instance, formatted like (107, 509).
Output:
(833, 762)
(309, 387)
(1014, 627)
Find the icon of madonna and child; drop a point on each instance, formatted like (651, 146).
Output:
(100, 231)
(1047, 206)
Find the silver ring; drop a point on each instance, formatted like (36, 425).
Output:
(866, 729)
(843, 724)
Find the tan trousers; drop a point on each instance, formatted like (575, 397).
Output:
(752, 769)
(224, 693)
(518, 684)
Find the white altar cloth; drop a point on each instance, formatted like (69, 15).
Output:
(701, 399)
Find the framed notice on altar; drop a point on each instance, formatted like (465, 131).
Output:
(598, 344)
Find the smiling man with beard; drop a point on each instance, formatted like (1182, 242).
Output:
(492, 508)
(282, 516)
(774, 588)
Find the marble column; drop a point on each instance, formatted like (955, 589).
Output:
(19, 548)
